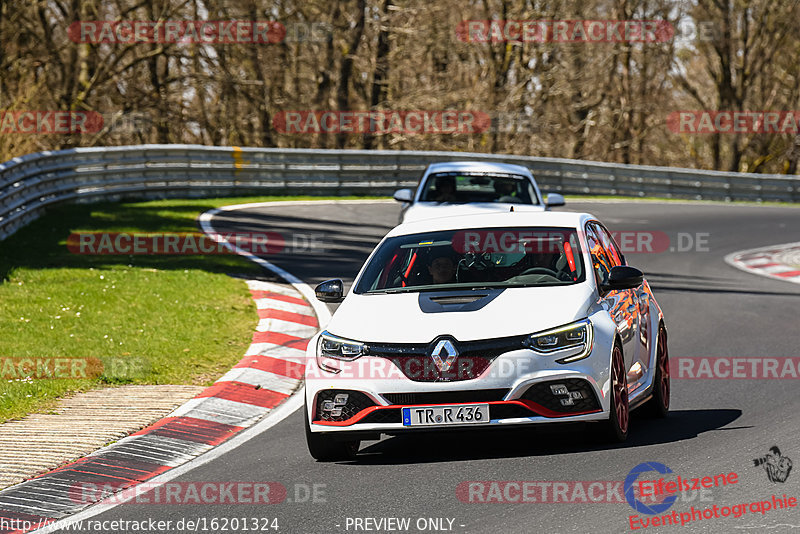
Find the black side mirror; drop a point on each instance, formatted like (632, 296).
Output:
(623, 277)
(330, 291)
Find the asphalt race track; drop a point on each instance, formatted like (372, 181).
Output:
(715, 426)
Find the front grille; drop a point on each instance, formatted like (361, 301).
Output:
(385, 415)
(416, 363)
(445, 397)
(356, 401)
(542, 393)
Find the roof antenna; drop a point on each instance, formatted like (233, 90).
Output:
(512, 208)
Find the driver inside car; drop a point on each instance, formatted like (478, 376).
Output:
(506, 190)
(442, 269)
(445, 189)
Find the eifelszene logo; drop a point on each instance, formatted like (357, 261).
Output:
(630, 485)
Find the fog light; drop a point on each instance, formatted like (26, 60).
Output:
(567, 402)
(341, 399)
(559, 389)
(327, 406)
(336, 412)
(575, 395)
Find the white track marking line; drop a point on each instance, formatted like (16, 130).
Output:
(322, 311)
(265, 379)
(277, 415)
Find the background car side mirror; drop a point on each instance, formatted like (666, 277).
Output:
(554, 200)
(623, 277)
(330, 291)
(404, 195)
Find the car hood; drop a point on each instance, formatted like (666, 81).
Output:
(399, 317)
(430, 210)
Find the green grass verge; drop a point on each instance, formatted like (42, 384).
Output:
(148, 319)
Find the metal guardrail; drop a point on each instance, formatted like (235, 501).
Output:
(31, 183)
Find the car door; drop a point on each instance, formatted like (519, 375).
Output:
(641, 315)
(620, 304)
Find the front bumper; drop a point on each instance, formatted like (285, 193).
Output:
(520, 387)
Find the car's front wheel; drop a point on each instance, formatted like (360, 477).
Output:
(618, 419)
(324, 448)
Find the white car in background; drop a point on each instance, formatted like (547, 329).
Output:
(457, 188)
(486, 320)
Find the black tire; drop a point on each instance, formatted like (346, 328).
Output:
(619, 418)
(658, 405)
(324, 448)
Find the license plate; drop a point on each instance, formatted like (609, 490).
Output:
(458, 414)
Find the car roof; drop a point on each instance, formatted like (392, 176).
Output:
(478, 166)
(509, 219)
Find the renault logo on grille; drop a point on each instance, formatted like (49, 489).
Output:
(444, 354)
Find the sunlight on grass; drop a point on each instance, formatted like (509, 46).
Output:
(164, 319)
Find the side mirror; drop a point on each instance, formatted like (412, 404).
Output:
(404, 195)
(330, 291)
(623, 277)
(554, 200)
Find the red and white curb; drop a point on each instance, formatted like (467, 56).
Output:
(270, 372)
(780, 262)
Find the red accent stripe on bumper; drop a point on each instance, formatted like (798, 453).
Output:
(537, 409)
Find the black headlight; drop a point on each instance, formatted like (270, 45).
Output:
(337, 348)
(577, 335)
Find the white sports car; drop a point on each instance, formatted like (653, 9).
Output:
(486, 321)
(462, 187)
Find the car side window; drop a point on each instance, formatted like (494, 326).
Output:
(609, 245)
(600, 261)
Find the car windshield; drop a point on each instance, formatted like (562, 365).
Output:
(461, 188)
(475, 258)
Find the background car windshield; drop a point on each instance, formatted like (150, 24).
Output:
(484, 257)
(460, 188)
